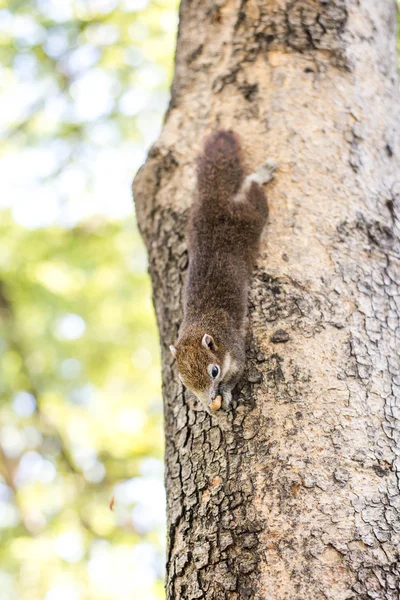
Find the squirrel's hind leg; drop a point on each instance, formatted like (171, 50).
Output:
(251, 188)
(263, 174)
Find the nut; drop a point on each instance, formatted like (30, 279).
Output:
(215, 404)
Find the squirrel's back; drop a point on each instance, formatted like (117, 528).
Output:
(219, 167)
(225, 224)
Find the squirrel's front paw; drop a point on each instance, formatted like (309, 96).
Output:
(226, 399)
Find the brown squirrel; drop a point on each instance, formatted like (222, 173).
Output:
(225, 225)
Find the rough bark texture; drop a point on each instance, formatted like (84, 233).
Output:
(295, 493)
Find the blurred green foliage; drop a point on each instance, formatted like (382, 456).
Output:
(83, 88)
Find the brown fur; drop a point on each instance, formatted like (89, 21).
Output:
(226, 221)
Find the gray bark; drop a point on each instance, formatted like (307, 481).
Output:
(294, 494)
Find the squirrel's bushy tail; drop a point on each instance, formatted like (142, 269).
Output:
(220, 171)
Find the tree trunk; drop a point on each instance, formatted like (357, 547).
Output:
(294, 494)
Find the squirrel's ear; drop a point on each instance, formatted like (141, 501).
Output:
(173, 350)
(208, 342)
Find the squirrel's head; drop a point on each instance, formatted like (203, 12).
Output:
(201, 365)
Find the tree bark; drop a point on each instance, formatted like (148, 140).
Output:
(294, 494)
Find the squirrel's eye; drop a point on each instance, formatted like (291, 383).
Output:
(214, 371)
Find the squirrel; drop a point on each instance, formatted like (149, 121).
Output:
(226, 219)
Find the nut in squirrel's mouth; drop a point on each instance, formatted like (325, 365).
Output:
(216, 403)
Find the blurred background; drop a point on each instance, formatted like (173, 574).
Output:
(84, 85)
